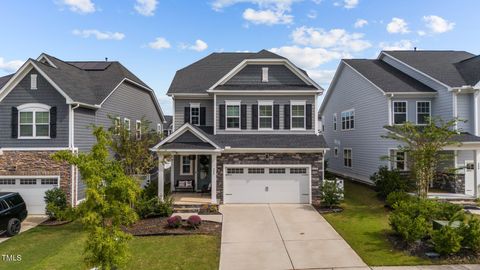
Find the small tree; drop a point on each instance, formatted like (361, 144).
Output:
(423, 146)
(110, 194)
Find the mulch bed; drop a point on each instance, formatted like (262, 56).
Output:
(325, 210)
(51, 222)
(158, 226)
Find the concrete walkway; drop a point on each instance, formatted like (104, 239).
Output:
(431, 267)
(30, 222)
(282, 237)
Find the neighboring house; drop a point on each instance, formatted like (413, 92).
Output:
(50, 105)
(367, 95)
(168, 125)
(245, 130)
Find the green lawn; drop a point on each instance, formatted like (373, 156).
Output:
(364, 224)
(61, 248)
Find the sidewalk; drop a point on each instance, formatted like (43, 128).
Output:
(430, 267)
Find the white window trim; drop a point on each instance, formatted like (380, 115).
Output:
(304, 104)
(264, 74)
(351, 157)
(159, 128)
(34, 108)
(416, 110)
(33, 81)
(195, 105)
(335, 152)
(138, 131)
(233, 103)
(393, 110)
(354, 120)
(125, 121)
(335, 122)
(392, 161)
(265, 103)
(181, 166)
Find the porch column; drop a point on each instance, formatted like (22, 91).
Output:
(172, 173)
(161, 175)
(214, 178)
(476, 159)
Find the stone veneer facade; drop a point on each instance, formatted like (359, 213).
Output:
(313, 159)
(33, 163)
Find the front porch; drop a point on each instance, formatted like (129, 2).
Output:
(191, 198)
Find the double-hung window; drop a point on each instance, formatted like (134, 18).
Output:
(138, 130)
(187, 165)
(265, 114)
(334, 121)
(423, 112)
(399, 112)
(195, 114)
(348, 120)
(126, 124)
(34, 121)
(347, 157)
(297, 114)
(399, 160)
(233, 114)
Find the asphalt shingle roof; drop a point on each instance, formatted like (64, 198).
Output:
(440, 65)
(386, 77)
(5, 79)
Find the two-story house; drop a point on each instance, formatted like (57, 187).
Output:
(50, 105)
(367, 95)
(244, 128)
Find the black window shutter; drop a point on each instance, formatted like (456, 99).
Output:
(53, 122)
(202, 116)
(221, 116)
(308, 115)
(243, 116)
(254, 116)
(276, 116)
(286, 119)
(186, 115)
(14, 122)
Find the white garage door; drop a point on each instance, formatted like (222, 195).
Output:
(283, 184)
(31, 189)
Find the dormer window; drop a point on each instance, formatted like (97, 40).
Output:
(265, 74)
(33, 81)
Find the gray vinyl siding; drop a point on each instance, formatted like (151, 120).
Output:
(412, 107)
(45, 94)
(177, 175)
(277, 75)
(180, 105)
(281, 100)
(442, 103)
(371, 115)
(84, 119)
(465, 111)
(462, 156)
(129, 102)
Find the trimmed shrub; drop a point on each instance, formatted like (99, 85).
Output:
(449, 211)
(387, 181)
(331, 193)
(56, 204)
(194, 221)
(470, 232)
(174, 221)
(397, 196)
(410, 229)
(447, 240)
(154, 207)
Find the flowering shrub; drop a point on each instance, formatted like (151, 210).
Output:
(174, 221)
(194, 221)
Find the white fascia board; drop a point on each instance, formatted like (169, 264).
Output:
(44, 56)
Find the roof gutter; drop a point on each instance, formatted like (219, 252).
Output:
(85, 105)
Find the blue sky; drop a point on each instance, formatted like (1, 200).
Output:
(154, 38)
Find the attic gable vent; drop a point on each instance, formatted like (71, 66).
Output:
(264, 74)
(33, 81)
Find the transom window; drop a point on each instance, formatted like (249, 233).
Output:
(298, 170)
(187, 165)
(276, 170)
(298, 114)
(34, 121)
(348, 120)
(234, 170)
(233, 115)
(195, 114)
(256, 170)
(423, 112)
(399, 160)
(334, 121)
(347, 157)
(265, 115)
(399, 112)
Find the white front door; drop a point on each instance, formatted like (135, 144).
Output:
(272, 184)
(470, 177)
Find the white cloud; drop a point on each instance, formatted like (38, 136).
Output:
(199, 46)
(99, 34)
(80, 6)
(360, 23)
(421, 33)
(159, 43)
(10, 66)
(268, 17)
(397, 25)
(146, 7)
(350, 3)
(437, 24)
(321, 76)
(336, 39)
(307, 57)
(399, 45)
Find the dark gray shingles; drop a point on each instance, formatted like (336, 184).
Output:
(466, 137)
(265, 87)
(270, 140)
(169, 120)
(5, 79)
(386, 77)
(437, 64)
(470, 70)
(187, 145)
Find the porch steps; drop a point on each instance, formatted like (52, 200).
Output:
(186, 208)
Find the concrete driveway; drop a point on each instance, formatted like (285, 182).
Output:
(30, 222)
(280, 236)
